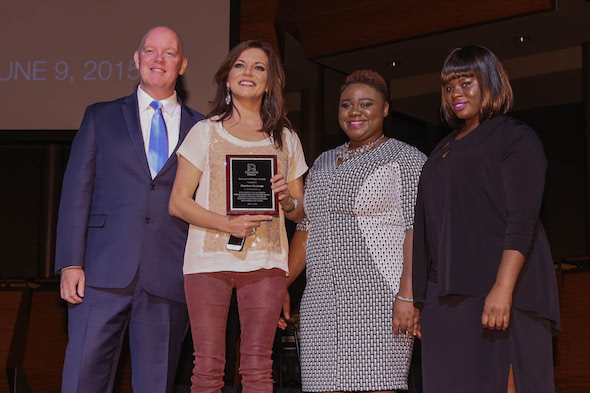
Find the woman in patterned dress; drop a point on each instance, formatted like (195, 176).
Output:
(359, 205)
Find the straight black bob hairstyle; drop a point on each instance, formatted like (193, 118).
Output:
(494, 85)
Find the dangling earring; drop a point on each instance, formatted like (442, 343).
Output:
(228, 97)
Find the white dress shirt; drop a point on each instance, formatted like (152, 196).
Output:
(171, 111)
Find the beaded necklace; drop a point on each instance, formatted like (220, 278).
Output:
(344, 153)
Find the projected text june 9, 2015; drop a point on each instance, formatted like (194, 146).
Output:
(91, 70)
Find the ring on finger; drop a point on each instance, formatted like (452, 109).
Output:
(253, 231)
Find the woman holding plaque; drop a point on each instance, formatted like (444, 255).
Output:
(357, 317)
(483, 272)
(247, 119)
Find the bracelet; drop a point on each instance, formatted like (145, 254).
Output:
(295, 204)
(404, 299)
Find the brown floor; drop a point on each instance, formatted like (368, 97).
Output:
(47, 338)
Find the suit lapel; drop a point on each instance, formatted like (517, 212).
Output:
(186, 122)
(131, 114)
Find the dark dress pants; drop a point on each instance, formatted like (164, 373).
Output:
(96, 329)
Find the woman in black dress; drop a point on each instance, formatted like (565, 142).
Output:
(483, 275)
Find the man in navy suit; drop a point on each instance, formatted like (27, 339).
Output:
(118, 251)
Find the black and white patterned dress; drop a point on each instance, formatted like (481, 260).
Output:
(357, 214)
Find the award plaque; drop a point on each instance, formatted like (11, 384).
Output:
(248, 185)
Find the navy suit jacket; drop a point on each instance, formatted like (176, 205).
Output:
(113, 218)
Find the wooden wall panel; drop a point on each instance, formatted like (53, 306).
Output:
(573, 344)
(9, 305)
(329, 27)
(258, 21)
(46, 342)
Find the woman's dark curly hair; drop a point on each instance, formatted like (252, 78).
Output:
(367, 77)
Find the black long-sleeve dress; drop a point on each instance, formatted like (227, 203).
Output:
(482, 198)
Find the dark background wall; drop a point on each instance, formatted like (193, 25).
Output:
(559, 127)
(20, 167)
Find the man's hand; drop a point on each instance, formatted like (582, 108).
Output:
(72, 285)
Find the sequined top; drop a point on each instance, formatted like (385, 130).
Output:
(206, 147)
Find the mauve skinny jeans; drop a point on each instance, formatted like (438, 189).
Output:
(260, 297)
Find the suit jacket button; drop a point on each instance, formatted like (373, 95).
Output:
(148, 220)
(152, 186)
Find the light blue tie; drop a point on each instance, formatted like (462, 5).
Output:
(158, 149)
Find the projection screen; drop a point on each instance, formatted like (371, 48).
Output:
(58, 56)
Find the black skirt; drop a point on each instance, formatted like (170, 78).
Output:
(460, 356)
